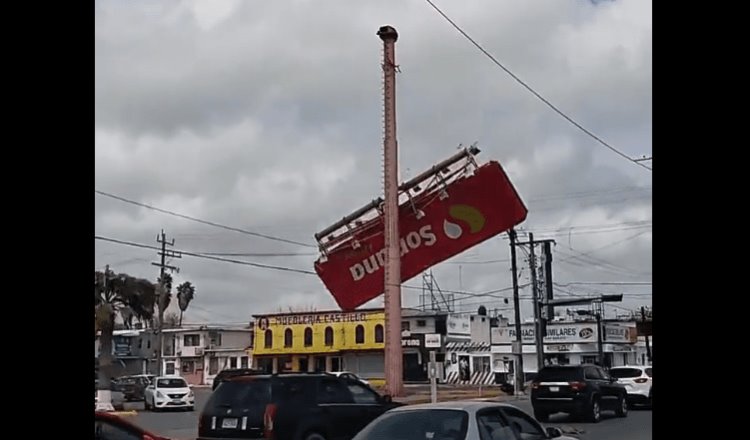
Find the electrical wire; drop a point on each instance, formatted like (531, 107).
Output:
(535, 93)
(273, 267)
(205, 222)
(208, 257)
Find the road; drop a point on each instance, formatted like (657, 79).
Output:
(637, 426)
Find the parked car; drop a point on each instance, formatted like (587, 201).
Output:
(134, 387)
(348, 375)
(579, 390)
(637, 381)
(108, 426)
(169, 392)
(232, 372)
(290, 406)
(470, 420)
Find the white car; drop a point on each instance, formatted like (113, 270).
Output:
(637, 380)
(468, 420)
(348, 375)
(169, 392)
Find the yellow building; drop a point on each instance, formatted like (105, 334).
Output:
(321, 341)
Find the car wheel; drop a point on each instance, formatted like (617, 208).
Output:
(541, 416)
(622, 407)
(594, 413)
(314, 436)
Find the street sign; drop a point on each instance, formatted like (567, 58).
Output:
(432, 340)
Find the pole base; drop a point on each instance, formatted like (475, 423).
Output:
(104, 401)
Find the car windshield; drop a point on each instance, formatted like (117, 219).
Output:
(558, 375)
(625, 373)
(171, 383)
(421, 424)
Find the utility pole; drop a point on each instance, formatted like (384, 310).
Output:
(394, 371)
(518, 349)
(599, 332)
(541, 314)
(548, 279)
(648, 346)
(538, 328)
(161, 291)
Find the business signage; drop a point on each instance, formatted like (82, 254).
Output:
(459, 324)
(413, 341)
(310, 319)
(620, 333)
(434, 226)
(562, 333)
(432, 340)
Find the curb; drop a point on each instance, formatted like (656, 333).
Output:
(124, 413)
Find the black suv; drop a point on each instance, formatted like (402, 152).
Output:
(290, 406)
(580, 390)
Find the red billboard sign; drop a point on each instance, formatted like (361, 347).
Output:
(432, 227)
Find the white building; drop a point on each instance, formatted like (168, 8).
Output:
(198, 353)
(567, 343)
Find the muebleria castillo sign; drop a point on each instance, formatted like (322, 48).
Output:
(317, 318)
(563, 333)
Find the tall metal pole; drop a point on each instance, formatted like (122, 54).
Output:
(599, 332)
(538, 329)
(648, 346)
(518, 349)
(393, 352)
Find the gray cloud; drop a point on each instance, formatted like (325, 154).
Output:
(267, 117)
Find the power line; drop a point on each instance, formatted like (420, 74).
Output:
(608, 283)
(599, 227)
(257, 254)
(593, 193)
(205, 222)
(267, 266)
(478, 262)
(535, 93)
(208, 257)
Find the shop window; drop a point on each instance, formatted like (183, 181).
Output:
(329, 337)
(288, 337)
(243, 362)
(379, 333)
(187, 367)
(191, 341)
(359, 334)
(308, 337)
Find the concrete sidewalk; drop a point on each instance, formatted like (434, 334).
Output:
(416, 395)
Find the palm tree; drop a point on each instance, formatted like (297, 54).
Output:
(185, 294)
(115, 294)
(165, 300)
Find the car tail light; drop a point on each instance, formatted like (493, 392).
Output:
(534, 385)
(148, 437)
(641, 380)
(577, 386)
(268, 417)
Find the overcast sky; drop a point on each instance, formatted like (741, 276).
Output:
(266, 116)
